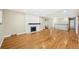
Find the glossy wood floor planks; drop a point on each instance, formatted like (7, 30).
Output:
(45, 39)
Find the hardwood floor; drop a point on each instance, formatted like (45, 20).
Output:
(46, 39)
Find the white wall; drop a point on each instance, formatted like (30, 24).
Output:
(1, 24)
(1, 28)
(76, 24)
(62, 23)
(1, 33)
(42, 23)
(13, 22)
(52, 23)
(49, 23)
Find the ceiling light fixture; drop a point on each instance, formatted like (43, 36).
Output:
(65, 11)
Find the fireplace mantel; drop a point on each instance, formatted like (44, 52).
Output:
(34, 23)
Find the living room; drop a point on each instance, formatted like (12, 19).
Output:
(39, 28)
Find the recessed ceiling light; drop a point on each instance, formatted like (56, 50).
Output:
(65, 11)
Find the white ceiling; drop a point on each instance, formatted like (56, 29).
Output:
(50, 12)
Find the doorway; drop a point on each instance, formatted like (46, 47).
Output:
(72, 23)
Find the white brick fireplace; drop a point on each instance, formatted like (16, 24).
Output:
(34, 23)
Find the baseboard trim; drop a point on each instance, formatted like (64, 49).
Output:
(12, 34)
(1, 41)
(7, 35)
(21, 33)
